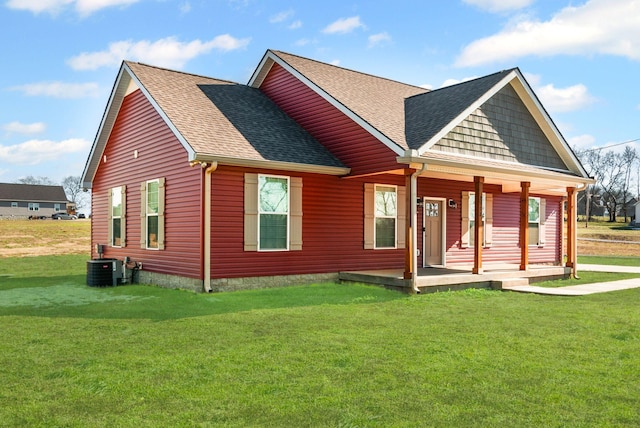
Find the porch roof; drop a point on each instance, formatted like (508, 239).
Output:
(509, 175)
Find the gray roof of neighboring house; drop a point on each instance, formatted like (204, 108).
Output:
(427, 114)
(32, 193)
(221, 118)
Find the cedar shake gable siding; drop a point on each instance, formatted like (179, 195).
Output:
(502, 129)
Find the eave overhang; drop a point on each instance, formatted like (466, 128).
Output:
(508, 175)
(272, 165)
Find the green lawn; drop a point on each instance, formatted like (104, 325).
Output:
(323, 355)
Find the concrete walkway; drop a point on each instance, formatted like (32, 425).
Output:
(581, 290)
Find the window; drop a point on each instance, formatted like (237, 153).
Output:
(116, 216)
(14, 205)
(56, 207)
(273, 206)
(152, 213)
(537, 209)
(117, 213)
(472, 218)
(272, 213)
(385, 216)
(386, 200)
(34, 206)
(469, 219)
(152, 197)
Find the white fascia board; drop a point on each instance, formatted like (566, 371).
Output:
(565, 151)
(121, 88)
(465, 113)
(318, 90)
(106, 125)
(191, 153)
(274, 165)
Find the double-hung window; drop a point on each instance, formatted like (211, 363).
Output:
(386, 212)
(273, 210)
(34, 206)
(472, 218)
(116, 216)
(152, 214)
(537, 208)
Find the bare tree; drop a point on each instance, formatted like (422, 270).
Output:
(72, 186)
(628, 158)
(30, 179)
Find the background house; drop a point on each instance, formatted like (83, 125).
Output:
(32, 200)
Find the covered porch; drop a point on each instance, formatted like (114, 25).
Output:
(427, 280)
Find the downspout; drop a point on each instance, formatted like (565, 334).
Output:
(207, 225)
(414, 226)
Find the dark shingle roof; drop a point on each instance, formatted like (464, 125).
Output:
(427, 114)
(31, 193)
(221, 118)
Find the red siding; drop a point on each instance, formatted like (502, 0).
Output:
(349, 142)
(160, 154)
(506, 217)
(332, 234)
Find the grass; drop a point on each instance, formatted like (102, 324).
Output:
(610, 260)
(322, 355)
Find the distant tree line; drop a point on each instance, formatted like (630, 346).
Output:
(617, 186)
(72, 186)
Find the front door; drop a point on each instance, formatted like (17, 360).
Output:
(433, 234)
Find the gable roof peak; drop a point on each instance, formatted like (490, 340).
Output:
(328, 64)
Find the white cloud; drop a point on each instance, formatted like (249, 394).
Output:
(167, 52)
(379, 39)
(564, 99)
(609, 27)
(295, 25)
(428, 86)
(303, 42)
(24, 128)
(59, 89)
(34, 152)
(82, 7)
(281, 16)
(581, 142)
(450, 82)
(499, 5)
(343, 25)
(185, 8)
(335, 62)
(560, 99)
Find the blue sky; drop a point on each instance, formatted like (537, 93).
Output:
(60, 57)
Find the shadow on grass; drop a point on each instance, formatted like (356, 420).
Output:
(68, 296)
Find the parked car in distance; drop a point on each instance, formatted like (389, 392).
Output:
(81, 215)
(62, 216)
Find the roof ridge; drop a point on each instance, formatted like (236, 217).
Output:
(505, 71)
(351, 70)
(180, 72)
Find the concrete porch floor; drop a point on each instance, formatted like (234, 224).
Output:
(497, 276)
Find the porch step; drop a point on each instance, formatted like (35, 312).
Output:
(507, 283)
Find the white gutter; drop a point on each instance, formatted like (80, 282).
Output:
(414, 226)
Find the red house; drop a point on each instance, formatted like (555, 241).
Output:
(311, 172)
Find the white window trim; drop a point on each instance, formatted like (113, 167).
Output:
(376, 216)
(116, 191)
(472, 217)
(14, 205)
(34, 206)
(147, 214)
(540, 222)
(288, 213)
